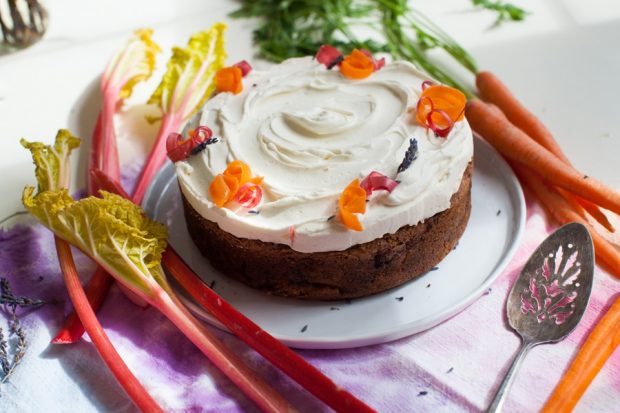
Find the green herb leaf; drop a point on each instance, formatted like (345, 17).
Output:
(112, 230)
(505, 11)
(188, 81)
(299, 27)
(52, 162)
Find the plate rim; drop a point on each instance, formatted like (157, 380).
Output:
(398, 331)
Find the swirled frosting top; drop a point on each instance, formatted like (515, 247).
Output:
(310, 131)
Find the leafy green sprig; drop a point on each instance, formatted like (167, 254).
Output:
(292, 28)
(505, 11)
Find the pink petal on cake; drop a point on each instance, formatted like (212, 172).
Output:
(376, 181)
(174, 140)
(327, 55)
(291, 234)
(244, 66)
(249, 195)
(177, 148)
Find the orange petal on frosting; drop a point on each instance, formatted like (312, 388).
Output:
(439, 97)
(357, 65)
(350, 220)
(239, 170)
(352, 200)
(228, 79)
(223, 189)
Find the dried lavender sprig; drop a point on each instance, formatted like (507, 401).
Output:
(200, 147)
(8, 298)
(410, 156)
(8, 367)
(4, 355)
(20, 348)
(10, 303)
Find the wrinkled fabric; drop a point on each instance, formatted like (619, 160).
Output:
(454, 367)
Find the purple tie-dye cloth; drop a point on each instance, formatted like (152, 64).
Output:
(453, 367)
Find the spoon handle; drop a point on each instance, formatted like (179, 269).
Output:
(502, 391)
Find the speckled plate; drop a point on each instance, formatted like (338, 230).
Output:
(489, 242)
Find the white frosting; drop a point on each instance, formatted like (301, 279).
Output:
(310, 131)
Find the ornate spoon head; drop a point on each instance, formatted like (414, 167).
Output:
(552, 291)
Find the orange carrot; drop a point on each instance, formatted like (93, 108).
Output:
(599, 346)
(494, 91)
(489, 122)
(563, 212)
(596, 213)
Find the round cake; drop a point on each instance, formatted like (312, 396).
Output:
(311, 138)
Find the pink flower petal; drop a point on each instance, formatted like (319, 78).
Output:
(439, 131)
(291, 234)
(249, 195)
(328, 55)
(179, 148)
(244, 66)
(427, 83)
(376, 181)
(176, 147)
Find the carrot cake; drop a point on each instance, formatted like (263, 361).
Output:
(323, 178)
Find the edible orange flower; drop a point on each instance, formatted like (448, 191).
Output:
(223, 189)
(228, 79)
(352, 201)
(357, 65)
(225, 186)
(239, 170)
(443, 105)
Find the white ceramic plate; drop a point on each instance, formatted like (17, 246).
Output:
(489, 242)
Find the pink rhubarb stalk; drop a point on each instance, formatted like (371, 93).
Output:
(132, 262)
(187, 84)
(170, 123)
(102, 343)
(53, 177)
(73, 329)
(181, 92)
(135, 63)
(117, 235)
(228, 362)
(265, 344)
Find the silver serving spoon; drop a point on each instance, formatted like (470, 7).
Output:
(550, 295)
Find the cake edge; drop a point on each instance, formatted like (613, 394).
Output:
(358, 271)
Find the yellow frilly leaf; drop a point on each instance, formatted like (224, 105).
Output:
(134, 64)
(189, 78)
(52, 162)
